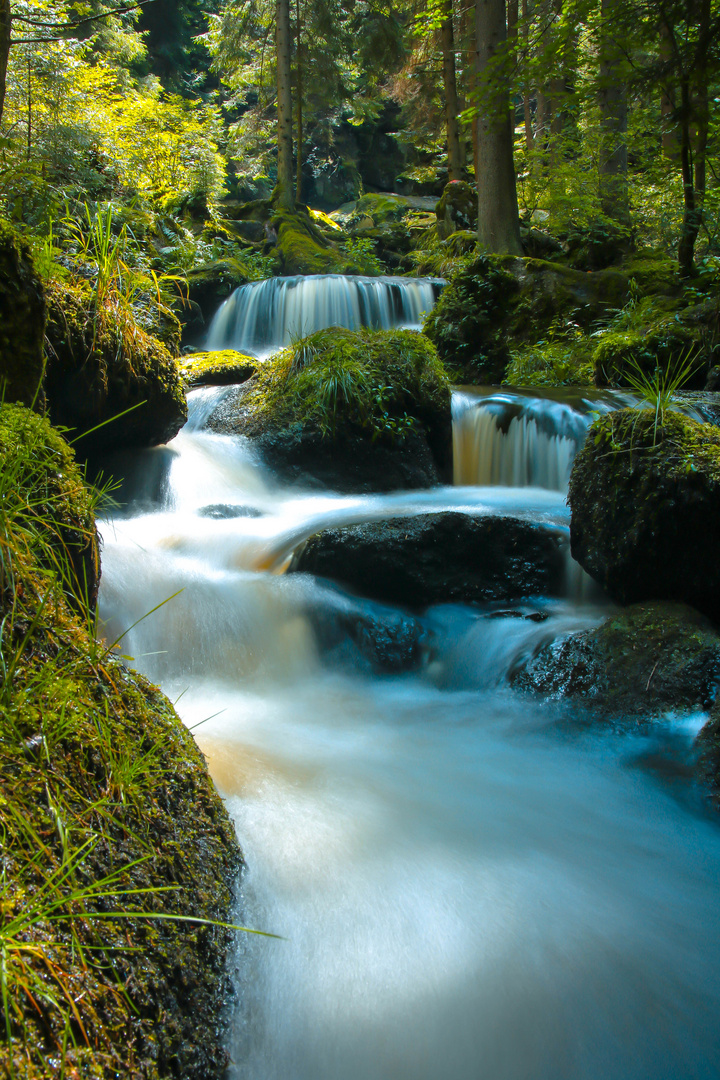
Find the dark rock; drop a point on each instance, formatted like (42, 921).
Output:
(707, 745)
(224, 511)
(384, 639)
(646, 508)
(649, 659)
(22, 321)
(211, 283)
(438, 558)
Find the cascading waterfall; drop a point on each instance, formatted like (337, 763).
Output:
(518, 440)
(264, 316)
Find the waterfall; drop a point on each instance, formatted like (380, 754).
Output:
(264, 316)
(517, 441)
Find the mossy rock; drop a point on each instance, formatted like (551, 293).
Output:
(657, 332)
(647, 660)
(221, 367)
(382, 208)
(645, 501)
(302, 248)
(101, 364)
(22, 321)
(354, 402)
(211, 283)
(457, 208)
(46, 501)
(103, 794)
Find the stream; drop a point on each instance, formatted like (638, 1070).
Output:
(469, 883)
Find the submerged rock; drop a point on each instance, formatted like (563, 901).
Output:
(438, 558)
(349, 633)
(648, 659)
(356, 411)
(645, 503)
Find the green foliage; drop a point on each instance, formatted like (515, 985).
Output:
(550, 363)
(362, 257)
(376, 381)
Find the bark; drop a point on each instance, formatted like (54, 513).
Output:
(298, 104)
(529, 139)
(498, 221)
(694, 123)
(284, 194)
(612, 98)
(5, 29)
(668, 106)
(456, 163)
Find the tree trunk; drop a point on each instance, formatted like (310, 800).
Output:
(498, 221)
(529, 140)
(612, 97)
(5, 29)
(298, 103)
(284, 195)
(670, 140)
(456, 163)
(694, 123)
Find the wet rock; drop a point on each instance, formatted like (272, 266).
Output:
(645, 503)
(648, 659)
(22, 321)
(222, 367)
(224, 511)
(438, 558)
(351, 635)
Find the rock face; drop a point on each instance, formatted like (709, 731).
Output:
(356, 411)
(438, 558)
(99, 366)
(648, 659)
(22, 321)
(646, 509)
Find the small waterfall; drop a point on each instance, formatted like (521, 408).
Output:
(517, 441)
(264, 316)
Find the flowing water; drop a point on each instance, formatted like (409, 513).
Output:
(469, 883)
(264, 316)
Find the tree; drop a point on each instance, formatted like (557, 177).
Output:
(612, 94)
(456, 162)
(5, 31)
(498, 221)
(284, 195)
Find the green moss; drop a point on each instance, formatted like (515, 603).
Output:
(101, 363)
(22, 321)
(558, 362)
(382, 208)
(105, 806)
(221, 367)
(376, 381)
(302, 248)
(653, 272)
(649, 333)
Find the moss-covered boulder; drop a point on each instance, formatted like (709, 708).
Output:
(208, 286)
(221, 367)
(649, 659)
(118, 856)
(101, 364)
(46, 505)
(494, 304)
(645, 500)
(457, 209)
(302, 248)
(22, 321)
(438, 558)
(365, 410)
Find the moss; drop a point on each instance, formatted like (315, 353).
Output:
(559, 361)
(653, 272)
(302, 248)
(22, 321)
(99, 781)
(652, 332)
(380, 382)
(382, 208)
(221, 367)
(457, 208)
(101, 363)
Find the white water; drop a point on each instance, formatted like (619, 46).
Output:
(468, 883)
(264, 316)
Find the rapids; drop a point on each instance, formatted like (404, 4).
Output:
(468, 883)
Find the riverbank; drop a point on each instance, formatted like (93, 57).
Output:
(119, 859)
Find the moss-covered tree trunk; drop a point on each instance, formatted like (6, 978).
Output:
(5, 27)
(498, 221)
(456, 164)
(284, 192)
(612, 97)
(298, 103)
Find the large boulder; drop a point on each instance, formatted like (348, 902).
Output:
(355, 411)
(101, 365)
(457, 208)
(645, 500)
(219, 367)
(22, 321)
(648, 659)
(438, 558)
